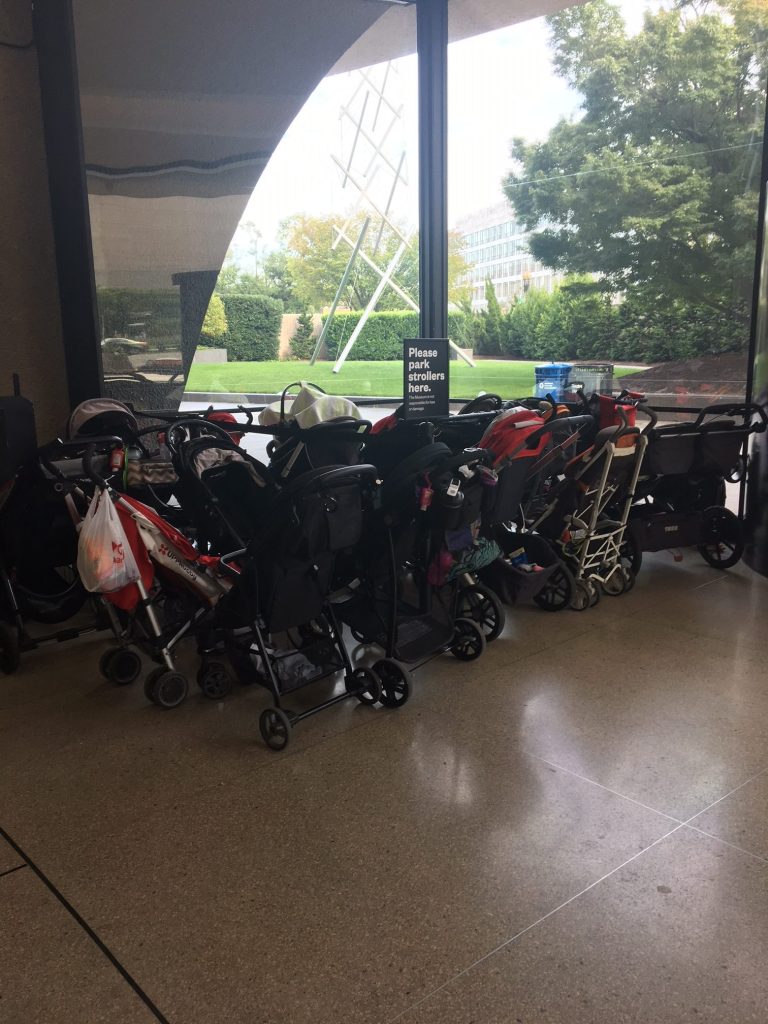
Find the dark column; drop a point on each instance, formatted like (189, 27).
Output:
(432, 42)
(195, 290)
(60, 95)
(755, 507)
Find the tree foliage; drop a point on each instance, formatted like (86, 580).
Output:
(303, 340)
(316, 268)
(655, 186)
(215, 320)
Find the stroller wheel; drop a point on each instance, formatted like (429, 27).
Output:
(558, 592)
(481, 604)
(724, 538)
(10, 655)
(617, 583)
(468, 640)
(275, 728)
(585, 595)
(166, 689)
(365, 684)
(396, 683)
(214, 680)
(631, 555)
(120, 665)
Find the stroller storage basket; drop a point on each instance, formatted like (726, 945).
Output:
(671, 450)
(514, 583)
(662, 530)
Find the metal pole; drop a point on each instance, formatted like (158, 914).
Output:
(432, 46)
(340, 289)
(385, 278)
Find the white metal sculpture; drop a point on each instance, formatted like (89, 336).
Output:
(373, 116)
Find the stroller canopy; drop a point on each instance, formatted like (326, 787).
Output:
(101, 416)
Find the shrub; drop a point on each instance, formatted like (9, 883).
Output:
(215, 321)
(383, 334)
(253, 327)
(303, 341)
(150, 313)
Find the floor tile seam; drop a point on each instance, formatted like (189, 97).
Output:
(725, 842)
(80, 921)
(725, 796)
(11, 871)
(535, 924)
(607, 789)
(717, 579)
(272, 764)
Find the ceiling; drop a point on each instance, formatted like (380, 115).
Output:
(184, 101)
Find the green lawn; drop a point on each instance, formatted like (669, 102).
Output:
(507, 378)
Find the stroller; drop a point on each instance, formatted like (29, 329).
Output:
(420, 548)
(528, 452)
(173, 598)
(587, 514)
(39, 509)
(681, 494)
(278, 619)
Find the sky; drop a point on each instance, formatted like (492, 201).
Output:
(501, 84)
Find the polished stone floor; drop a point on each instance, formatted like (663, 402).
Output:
(572, 831)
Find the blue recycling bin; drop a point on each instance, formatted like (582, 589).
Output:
(551, 379)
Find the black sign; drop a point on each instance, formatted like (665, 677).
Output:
(425, 378)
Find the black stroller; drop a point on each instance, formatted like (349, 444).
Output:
(681, 494)
(419, 548)
(278, 622)
(528, 453)
(39, 494)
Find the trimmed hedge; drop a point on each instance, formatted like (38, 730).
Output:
(253, 328)
(156, 309)
(383, 334)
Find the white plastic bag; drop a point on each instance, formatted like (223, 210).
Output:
(105, 560)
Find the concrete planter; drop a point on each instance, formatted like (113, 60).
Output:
(210, 355)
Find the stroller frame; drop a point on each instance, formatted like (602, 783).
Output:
(597, 541)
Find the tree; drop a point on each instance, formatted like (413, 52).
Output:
(316, 268)
(303, 341)
(279, 281)
(215, 320)
(655, 186)
(490, 340)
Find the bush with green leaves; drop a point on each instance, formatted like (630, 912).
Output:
(215, 321)
(253, 327)
(153, 314)
(383, 334)
(303, 342)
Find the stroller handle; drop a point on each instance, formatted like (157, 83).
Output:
(94, 444)
(653, 419)
(745, 409)
(466, 457)
(191, 421)
(328, 475)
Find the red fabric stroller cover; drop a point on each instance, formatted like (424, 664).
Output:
(507, 435)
